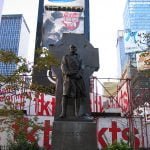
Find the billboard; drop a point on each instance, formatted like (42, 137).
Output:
(55, 23)
(65, 3)
(143, 61)
(135, 41)
(58, 20)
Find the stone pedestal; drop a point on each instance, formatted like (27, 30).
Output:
(74, 135)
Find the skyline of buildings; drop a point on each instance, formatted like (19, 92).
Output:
(14, 36)
(133, 48)
(131, 39)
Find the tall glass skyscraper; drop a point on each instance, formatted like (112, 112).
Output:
(14, 36)
(1, 8)
(137, 15)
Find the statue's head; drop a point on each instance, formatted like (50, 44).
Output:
(72, 49)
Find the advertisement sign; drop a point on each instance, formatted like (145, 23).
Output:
(135, 41)
(71, 3)
(148, 117)
(55, 23)
(143, 60)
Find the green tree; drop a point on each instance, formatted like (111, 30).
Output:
(118, 146)
(44, 60)
(20, 80)
(17, 135)
(16, 80)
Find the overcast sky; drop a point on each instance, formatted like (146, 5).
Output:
(106, 17)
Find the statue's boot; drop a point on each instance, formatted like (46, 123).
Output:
(64, 108)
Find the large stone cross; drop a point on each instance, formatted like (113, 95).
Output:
(89, 56)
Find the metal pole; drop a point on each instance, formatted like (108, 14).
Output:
(146, 127)
(142, 132)
(96, 94)
(130, 112)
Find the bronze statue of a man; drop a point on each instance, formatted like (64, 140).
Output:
(73, 83)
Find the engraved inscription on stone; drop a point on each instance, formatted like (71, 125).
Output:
(72, 133)
(74, 136)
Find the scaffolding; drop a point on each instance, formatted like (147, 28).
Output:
(120, 97)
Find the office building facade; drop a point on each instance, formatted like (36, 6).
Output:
(14, 36)
(137, 15)
(1, 8)
(136, 24)
(133, 43)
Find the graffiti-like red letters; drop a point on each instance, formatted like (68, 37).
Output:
(47, 129)
(103, 133)
(100, 138)
(114, 130)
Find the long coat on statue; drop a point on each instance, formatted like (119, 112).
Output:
(72, 70)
